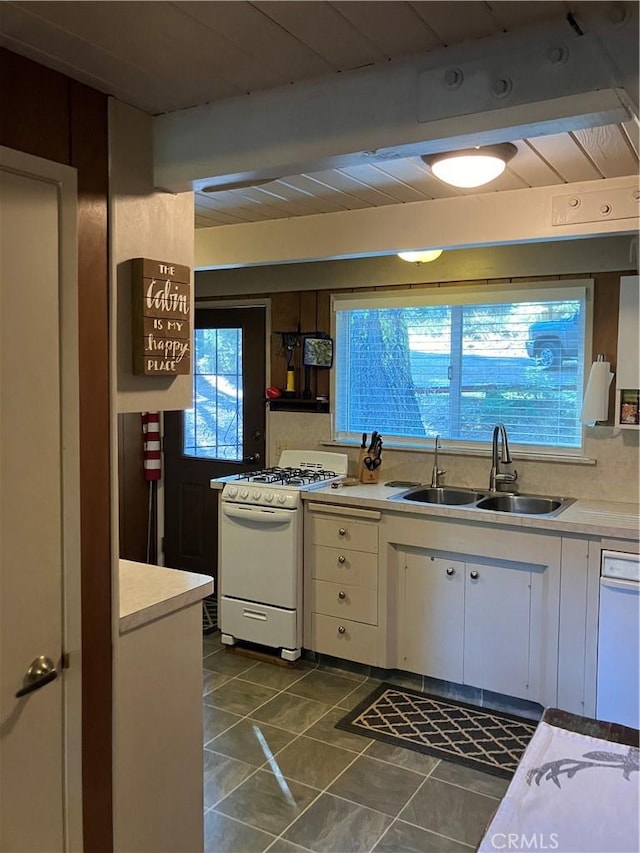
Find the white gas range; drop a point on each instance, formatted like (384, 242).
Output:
(261, 539)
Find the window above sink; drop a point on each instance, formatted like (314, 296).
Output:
(455, 360)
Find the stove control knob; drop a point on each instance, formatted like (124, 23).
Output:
(255, 494)
(282, 499)
(268, 497)
(244, 494)
(232, 492)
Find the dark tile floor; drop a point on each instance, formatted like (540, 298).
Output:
(279, 776)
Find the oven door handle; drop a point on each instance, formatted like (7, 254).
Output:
(262, 516)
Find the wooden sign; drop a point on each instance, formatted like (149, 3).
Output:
(161, 318)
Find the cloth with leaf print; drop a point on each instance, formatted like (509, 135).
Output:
(571, 793)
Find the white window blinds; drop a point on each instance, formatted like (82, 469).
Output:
(454, 362)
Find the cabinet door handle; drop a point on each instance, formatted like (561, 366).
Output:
(342, 531)
(342, 595)
(474, 575)
(342, 558)
(451, 571)
(341, 629)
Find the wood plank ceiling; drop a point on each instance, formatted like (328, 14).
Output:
(165, 56)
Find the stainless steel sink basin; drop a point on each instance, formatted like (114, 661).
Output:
(441, 495)
(526, 504)
(474, 499)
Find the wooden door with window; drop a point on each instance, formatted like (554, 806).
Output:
(224, 432)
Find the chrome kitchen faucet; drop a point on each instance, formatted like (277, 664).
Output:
(436, 472)
(498, 480)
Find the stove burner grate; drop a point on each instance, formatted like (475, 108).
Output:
(288, 476)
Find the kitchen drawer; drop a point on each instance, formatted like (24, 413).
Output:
(343, 565)
(343, 601)
(346, 533)
(259, 623)
(344, 639)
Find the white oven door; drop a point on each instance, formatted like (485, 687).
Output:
(260, 554)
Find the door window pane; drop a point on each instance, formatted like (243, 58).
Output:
(213, 427)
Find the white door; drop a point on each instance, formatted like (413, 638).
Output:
(39, 554)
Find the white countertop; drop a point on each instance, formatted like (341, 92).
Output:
(588, 517)
(148, 592)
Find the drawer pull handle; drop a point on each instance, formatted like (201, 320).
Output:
(342, 531)
(254, 614)
(342, 559)
(451, 571)
(341, 629)
(474, 575)
(342, 595)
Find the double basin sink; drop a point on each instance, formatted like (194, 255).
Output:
(492, 501)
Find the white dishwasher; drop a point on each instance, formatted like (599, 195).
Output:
(618, 687)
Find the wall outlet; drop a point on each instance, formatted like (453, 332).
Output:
(280, 446)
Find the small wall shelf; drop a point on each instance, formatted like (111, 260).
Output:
(298, 404)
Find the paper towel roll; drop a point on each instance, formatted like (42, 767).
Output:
(596, 398)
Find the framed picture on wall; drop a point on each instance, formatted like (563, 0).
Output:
(317, 351)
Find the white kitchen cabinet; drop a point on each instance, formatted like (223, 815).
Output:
(158, 726)
(341, 582)
(470, 622)
(497, 628)
(432, 633)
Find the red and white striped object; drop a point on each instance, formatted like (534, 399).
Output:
(151, 454)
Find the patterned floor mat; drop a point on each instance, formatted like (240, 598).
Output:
(486, 740)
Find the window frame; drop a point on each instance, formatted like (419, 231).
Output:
(466, 294)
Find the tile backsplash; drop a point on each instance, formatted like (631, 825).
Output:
(614, 477)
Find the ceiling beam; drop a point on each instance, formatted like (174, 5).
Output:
(487, 263)
(522, 84)
(590, 208)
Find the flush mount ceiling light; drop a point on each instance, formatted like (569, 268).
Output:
(423, 257)
(471, 167)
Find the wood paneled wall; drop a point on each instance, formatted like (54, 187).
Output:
(51, 116)
(304, 311)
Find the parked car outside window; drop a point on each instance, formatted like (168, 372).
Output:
(551, 341)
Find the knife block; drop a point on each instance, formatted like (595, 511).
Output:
(365, 475)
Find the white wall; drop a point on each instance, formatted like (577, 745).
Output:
(143, 223)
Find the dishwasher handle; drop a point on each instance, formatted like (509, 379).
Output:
(615, 583)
